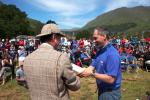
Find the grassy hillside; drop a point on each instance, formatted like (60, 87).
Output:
(123, 19)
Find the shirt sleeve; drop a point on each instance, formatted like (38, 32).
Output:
(2, 62)
(93, 63)
(113, 65)
(17, 73)
(69, 77)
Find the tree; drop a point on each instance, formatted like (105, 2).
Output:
(83, 34)
(12, 21)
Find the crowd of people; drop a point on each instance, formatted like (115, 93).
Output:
(83, 52)
(12, 55)
(132, 55)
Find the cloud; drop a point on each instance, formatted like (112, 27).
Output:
(68, 10)
(76, 13)
(66, 7)
(73, 22)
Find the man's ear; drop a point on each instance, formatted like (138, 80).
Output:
(55, 39)
(104, 35)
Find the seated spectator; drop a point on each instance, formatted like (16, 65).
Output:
(7, 44)
(13, 56)
(81, 43)
(93, 52)
(85, 58)
(76, 54)
(146, 60)
(68, 52)
(78, 62)
(124, 62)
(6, 65)
(20, 76)
(31, 46)
(120, 49)
(132, 61)
(12, 52)
(21, 42)
(1, 53)
(73, 54)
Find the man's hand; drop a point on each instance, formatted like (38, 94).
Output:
(87, 72)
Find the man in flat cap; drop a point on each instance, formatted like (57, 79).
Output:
(48, 72)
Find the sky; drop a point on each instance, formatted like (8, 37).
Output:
(70, 14)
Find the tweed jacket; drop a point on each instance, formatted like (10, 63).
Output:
(49, 75)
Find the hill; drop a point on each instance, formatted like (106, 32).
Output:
(1, 3)
(35, 26)
(14, 22)
(123, 19)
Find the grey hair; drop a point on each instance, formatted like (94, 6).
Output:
(103, 31)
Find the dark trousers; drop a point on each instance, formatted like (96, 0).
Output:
(110, 95)
(23, 83)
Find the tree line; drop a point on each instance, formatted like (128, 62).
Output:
(14, 22)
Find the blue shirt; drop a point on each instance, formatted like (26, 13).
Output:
(131, 58)
(107, 61)
(22, 53)
(83, 55)
(20, 73)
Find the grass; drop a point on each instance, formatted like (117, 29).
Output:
(12, 91)
(134, 86)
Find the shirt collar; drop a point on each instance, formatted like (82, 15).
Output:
(100, 50)
(105, 46)
(45, 45)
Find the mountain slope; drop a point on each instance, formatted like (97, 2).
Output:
(123, 19)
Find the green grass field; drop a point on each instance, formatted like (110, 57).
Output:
(134, 86)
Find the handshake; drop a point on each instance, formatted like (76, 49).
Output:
(83, 72)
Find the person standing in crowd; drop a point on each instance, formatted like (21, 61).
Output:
(107, 67)
(13, 55)
(48, 71)
(21, 55)
(7, 44)
(1, 53)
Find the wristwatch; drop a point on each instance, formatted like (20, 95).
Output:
(93, 74)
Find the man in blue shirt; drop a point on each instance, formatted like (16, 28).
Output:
(107, 67)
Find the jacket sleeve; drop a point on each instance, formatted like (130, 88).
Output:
(70, 79)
